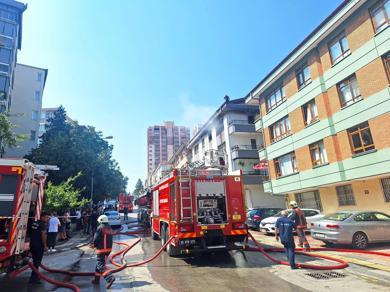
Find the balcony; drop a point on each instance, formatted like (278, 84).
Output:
(255, 177)
(245, 152)
(258, 123)
(241, 126)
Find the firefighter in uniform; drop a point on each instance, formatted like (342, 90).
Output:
(102, 241)
(300, 222)
(38, 244)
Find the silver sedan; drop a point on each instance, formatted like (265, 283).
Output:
(358, 228)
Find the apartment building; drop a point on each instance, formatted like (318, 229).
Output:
(10, 42)
(325, 113)
(26, 105)
(163, 141)
(231, 130)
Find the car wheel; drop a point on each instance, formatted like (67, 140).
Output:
(162, 234)
(171, 250)
(328, 244)
(360, 240)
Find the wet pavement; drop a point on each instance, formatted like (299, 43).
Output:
(220, 271)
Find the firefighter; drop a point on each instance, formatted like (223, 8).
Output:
(38, 240)
(299, 219)
(284, 229)
(102, 241)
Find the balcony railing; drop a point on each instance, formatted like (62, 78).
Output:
(239, 122)
(247, 147)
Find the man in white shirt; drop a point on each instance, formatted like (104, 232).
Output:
(54, 223)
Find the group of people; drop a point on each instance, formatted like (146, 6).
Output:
(42, 238)
(87, 220)
(285, 227)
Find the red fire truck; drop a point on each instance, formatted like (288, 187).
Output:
(203, 208)
(21, 199)
(125, 201)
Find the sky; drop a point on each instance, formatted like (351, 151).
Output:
(124, 65)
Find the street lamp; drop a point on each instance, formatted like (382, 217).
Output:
(93, 170)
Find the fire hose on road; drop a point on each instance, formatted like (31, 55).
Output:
(123, 263)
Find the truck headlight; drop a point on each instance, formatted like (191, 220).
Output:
(3, 249)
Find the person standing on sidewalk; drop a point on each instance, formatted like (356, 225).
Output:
(299, 219)
(125, 214)
(54, 224)
(93, 221)
(285, 230)
(38, 239)
(102, 241)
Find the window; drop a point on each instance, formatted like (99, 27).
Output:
(318, 153)
(309, 200)
(310, 113)
(386, 188)
(196, 149)
(345, 195)
(286, 165)
(6, 42)
(303, 76)
(251, 119)
(7, 29)
(349, 91)
(338, 48)
(37, 95)
(280, 129)
(43, 115)
(360, 138)
(275, 98)
(253, 144)
(380, 15)
(3, 87)
(4, 68)
(5, 55)
(386, 61)
(381, 217)
(33, 135)
(41, 127)
(34, 115)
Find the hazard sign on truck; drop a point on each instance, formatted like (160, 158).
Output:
(202, 208)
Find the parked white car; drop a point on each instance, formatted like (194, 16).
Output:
(267, 225)
(114, 218)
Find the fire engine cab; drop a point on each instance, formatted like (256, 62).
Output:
(21, 199)
(202, 207)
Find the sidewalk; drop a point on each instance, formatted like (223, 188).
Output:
(76, 241)
(375, 262)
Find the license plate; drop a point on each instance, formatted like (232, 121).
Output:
(319, 235)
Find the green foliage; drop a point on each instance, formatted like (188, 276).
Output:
(138, 189)
(75, 148)
(8, 139)
(63, 196)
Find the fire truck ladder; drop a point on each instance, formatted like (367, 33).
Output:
(185, 195)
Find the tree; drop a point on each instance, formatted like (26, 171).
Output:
(63, 196)
(138, 189)
(8, 139)
(75, 148)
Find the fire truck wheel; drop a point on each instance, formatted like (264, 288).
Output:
(162, 234)
(171, 250)
(153, 234)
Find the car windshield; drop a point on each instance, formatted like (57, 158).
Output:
(337, 216)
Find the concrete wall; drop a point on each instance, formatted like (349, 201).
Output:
(26, 99)
(256, 197)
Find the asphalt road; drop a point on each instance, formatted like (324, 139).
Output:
(222, 271)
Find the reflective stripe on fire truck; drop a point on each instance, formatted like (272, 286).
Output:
(238, 232)
(187, 235)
